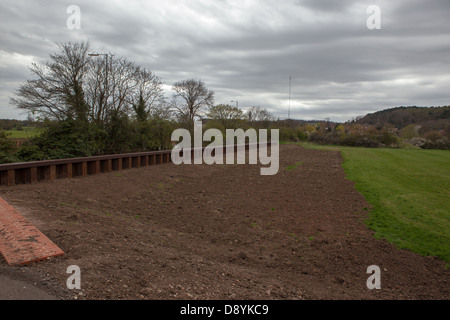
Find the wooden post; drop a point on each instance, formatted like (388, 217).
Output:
(33, 175)
(138, 161)
(84, 169)
(11, 177)
(69, 170)
(52, 173)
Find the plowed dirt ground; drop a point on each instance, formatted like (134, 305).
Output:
(220, 232)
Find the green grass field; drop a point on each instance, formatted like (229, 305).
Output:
(409, 191)
(27, 132)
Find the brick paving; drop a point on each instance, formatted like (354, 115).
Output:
(20, 241)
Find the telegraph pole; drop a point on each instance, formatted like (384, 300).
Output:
(289, 109)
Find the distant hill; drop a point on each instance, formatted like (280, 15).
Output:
(436, 118)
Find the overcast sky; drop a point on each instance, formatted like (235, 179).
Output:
(246, 50)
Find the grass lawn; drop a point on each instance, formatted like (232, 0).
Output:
(409, 191)
(27, 132)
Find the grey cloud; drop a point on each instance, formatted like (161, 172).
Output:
(246, 51)
(326, 5)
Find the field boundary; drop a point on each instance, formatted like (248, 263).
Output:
(48, 170)
(407, 192)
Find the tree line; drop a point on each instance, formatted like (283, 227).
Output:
(95, 104)
(401, 117)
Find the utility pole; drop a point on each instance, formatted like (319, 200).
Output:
(289, 110)
(106, 60)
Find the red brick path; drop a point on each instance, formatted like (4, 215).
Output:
(20, 241)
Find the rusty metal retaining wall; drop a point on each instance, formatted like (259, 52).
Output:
(35, 171)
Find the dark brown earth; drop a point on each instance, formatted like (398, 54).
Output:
(221, 232)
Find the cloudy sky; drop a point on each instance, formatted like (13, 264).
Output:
(246, 50)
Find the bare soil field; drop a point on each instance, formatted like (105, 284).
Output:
(220, 232)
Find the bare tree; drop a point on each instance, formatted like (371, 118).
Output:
(127, 85)
(57, 90)
(96, 91)
(72, 85)
(110, 87)
(226, 116)
(195, 99)
(257, 114)
(148, 93)
(122, 82)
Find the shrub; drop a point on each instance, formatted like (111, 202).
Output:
(287, 134)
(7, 148)
(301, 134)
(30, 152)
(64, 139)
(387, 139)
(359, 141)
